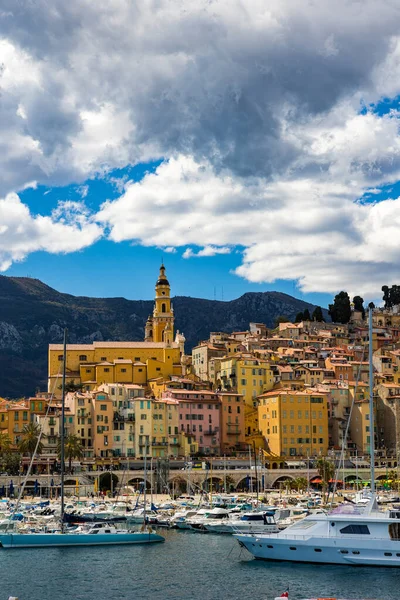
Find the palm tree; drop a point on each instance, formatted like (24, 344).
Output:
(392, 477)
(299, 484)
(72, 449)
(5, 442)
(31, 433)
(326, 470)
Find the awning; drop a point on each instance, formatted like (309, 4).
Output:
(335, 481)
(316, 480)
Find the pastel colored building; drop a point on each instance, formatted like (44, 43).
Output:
(294, 423)
(199, 417)
(232, 422)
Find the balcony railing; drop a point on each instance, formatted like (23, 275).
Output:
(211, 431)
(159, 443)
(233, 431)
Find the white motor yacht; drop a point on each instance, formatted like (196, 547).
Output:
(250, 522)
(216, 515)
(348, 535)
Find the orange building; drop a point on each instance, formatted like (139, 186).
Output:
(232, 422)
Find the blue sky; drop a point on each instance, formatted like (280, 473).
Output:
(109, 269)
(256, 150)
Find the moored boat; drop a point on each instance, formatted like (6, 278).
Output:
(99, 534)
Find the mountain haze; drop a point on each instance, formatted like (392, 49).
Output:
(33, 315)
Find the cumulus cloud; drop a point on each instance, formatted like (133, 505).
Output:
(68, 229)
(312, 230)
(206, 251)
(255, 108)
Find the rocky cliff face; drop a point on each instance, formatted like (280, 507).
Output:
(33, 315)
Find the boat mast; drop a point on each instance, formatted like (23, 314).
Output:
(62, 428)
(255, 466)
(371, 403)
(145, 483)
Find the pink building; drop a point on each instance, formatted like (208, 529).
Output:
(199, 416)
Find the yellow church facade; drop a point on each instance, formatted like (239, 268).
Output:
(124, 362)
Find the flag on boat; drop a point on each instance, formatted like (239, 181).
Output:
(285, 594)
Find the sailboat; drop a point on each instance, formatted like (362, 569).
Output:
(348, 535)
(98, 534)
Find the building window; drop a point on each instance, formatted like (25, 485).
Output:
(103, 358)
(60, 357)
(103, 406)
(82, 357)
(123, 370)
(106, 370)
(163, 307)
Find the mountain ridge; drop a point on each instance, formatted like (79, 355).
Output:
(34, 314)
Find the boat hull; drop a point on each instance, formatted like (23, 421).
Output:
(383, 553)
(47, 540)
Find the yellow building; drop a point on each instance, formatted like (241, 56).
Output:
(124, 362)
(247, 375)
(294, 423)
(360, 426)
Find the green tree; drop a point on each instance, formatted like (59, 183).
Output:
(6, 455)
(317, 315)
(306, 315)
(359, 305)
(71, 386)
(31, 433)
(5, 443)
(299, 317)
(392, 477)
(72, 449)
(326, 471)
(340, 310)
(10, 462)
(281, 319)
(299, 484)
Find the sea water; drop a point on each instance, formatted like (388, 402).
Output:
(188, 566)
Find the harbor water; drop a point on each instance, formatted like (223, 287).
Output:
(188, 566)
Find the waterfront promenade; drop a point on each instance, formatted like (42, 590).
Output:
(238, 479)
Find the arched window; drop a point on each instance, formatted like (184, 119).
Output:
(82, 357)
(151, 333)
(163, 307)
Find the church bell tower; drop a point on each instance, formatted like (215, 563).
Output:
(163, 313)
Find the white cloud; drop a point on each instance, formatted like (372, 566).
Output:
(206, 251)
(83, 190)
(257, 112)
(312, 230)
(69, 229)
